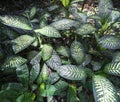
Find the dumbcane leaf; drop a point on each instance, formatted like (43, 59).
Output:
(11, 63)
(104, 7)
(65, 24)
(85, 29)
(96, 65)
(113, 68)
(48, 91)
(77, 52)
(64, 51)
(115, 15)
(8, 95)
(71, 94)
(65, 3)
(23, 74)
(31, 54)
(34, 72)
(53, 77)
(26, 97)
(54, 62)
(33, 12)
(110, 42)
(118, 92)
(16, 21)
(103, 90)
(60, 87)
(87, 60)
(10, 33)
(44, 72)
(13, 86)
(48, 31)
(36, 59)
(116, 57)
(72, 72)
(21, 43)
(43, 76)
(46, 51)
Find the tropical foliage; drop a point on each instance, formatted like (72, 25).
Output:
(60, 53)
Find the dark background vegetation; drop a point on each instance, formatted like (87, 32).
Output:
(17, 6)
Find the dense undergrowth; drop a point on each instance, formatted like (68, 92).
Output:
(60, 51)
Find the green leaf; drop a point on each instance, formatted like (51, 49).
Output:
(115, 15)
(49, 91)
(8, 95)
(34, 72)
(72, 72)
(33, 12)
(9, 32)
(77, 52)
(11, 63)
(113, 68)
(16, 21)
(54, 62)
(53, 77)
(65, 2)
(71, 94)
(60, 86)
(65, 24)
(64, 51)
(110, 42)
(103, 90)
(46, 51)
(36, 59)
(44, 72)
(23, 74)
(85, 29)
(48, 31)
(96, 65)
(26, 97)
(87, 60)
(104, 7)
(13, 86)
(116, 57)
(21, 43)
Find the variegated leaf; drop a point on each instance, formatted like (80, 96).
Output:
(113, 68)
(48, 31)
(65, 24)
(16, 21)
(103, 90)
(12, 62)
(71, 72)
(110, 42)
(85, 29)
(54, 62)
(77, 52)
(63, 50)
(46, 51)
(104, 7)
(22, 42)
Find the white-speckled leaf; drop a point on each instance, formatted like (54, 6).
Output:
(65, 24)
(49, 31)
(22, 42)
(77, 52)
(85, 29)
(110, 42)
(113, 68)
(16, 21)
(71, 72)
(103, 90)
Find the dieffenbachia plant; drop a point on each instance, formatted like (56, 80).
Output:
(60, 55)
